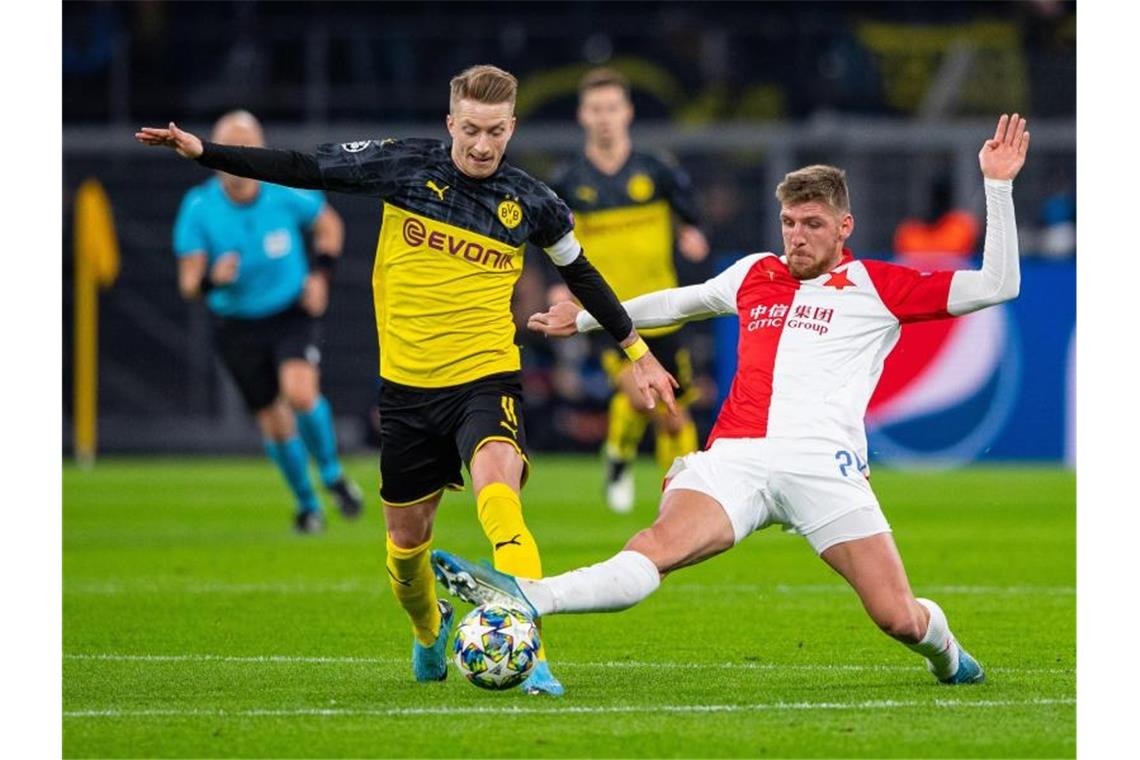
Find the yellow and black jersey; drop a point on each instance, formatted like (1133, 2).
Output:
(625, 220)
(449, 253)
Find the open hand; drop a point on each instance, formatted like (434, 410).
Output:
(653, 380)
(187, 144)
(559, 321)
(1004, 155)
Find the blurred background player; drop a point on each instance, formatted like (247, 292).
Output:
(456, 221)
(240, 244)
(626, 205)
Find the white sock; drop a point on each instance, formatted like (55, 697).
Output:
(620, 582)
(938, 645)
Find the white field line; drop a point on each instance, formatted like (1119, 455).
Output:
(839, 588)
(271, 659)
(886, 704)
(377, 586)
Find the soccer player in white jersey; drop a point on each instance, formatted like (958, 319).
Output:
(789, 445)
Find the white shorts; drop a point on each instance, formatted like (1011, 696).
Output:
(812, 487)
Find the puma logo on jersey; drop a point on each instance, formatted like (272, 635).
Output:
(437, 189)
(513, 540)
(513, 431)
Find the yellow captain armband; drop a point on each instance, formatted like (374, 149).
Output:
(637, 349)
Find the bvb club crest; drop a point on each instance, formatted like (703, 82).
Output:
(510, 214)
(586, 194)
(640, 187)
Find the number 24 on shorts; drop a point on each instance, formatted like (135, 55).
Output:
(847, 459)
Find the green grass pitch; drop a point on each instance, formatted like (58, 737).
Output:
(197, 625)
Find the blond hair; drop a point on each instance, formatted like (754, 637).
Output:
(603, 77)
(484, 84)
(819, 182)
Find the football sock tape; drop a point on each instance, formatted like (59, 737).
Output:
(616, 584)
(938, 645)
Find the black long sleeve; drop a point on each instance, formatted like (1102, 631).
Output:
(597, 297)
(281, 167)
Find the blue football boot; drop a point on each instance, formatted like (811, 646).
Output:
(542, 681)
(479, 584)
(430, 663)
(969, 671)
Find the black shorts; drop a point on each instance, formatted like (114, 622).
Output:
(253, 350)
(428, 434)
(669, 349)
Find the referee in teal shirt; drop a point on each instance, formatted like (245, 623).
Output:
(240, 244)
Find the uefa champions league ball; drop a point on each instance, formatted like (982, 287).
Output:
(496, 647)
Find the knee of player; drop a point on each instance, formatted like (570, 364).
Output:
(410, 535)
(301, 398)
(276, 423)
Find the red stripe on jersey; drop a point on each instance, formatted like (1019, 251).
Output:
(910, 295)
(762, 305)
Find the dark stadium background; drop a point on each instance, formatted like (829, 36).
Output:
(899, 94)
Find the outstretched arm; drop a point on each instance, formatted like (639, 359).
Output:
(999, 279)
(711, 298)
(281, 167)
(663, 308)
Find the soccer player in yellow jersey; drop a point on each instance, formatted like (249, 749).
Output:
(456, 219)
(627, 205)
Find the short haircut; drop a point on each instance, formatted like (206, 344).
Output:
(603, 77)
(484, 84)
(238, 116)
(819, 182)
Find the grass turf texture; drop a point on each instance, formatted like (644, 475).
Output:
(197, 624)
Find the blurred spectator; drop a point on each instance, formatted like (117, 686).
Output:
(954, 233)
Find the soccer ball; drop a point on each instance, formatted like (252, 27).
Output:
(496, 647)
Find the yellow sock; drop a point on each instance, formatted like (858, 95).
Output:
(513, 548)
(409, 572)
(670, 446)
(627, 426)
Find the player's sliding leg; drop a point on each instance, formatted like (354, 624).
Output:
(409, 529)
(496, 474)
(626, 427)
(874, 569)
(300, 386)
(690, 527)
(284, 447)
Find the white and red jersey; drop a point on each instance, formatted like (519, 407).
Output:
(811, 351)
